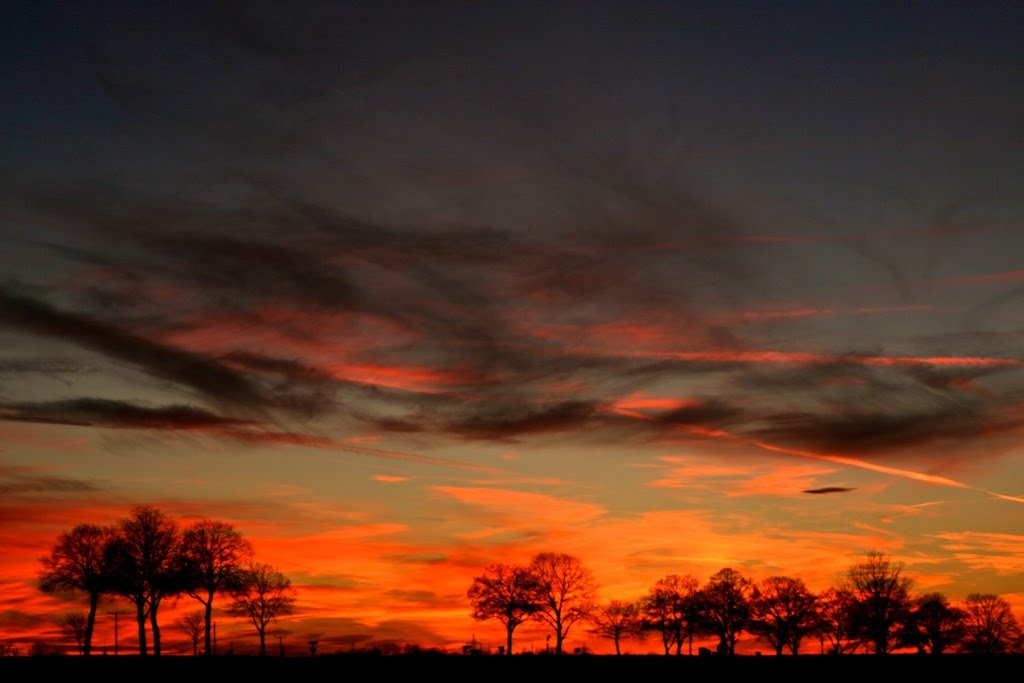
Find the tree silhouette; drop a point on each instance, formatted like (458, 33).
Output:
(214, 553)
(616, 620)
(725, 607)
(74, 625)
(509, 593)
(146, 565)
(77, 563)
(934, 626)
(670, 608)
(989, 625)
(568, 592)
(783, 612)
(882, 600)
(264, 595)
(837, 621)
(193, 625)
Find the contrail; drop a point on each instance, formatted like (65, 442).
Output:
(856, 462)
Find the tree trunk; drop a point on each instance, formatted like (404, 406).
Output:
(617, 644)
(155, 628)
(89, 623)
(508, 642)
(140, 617)
(207, 644)
(263, 642)
(559, 637)
(779, 647)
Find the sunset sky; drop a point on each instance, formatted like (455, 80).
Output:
(400, 291)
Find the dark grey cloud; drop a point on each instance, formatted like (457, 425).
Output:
(94, 412)
(492, 194)
(878, 433)
(508, 421)
(23, 621)
(44, 366)
(209, 378)
(828, 489)
(15, 481)
(707, 413)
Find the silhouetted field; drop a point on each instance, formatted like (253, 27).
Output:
(463, 668)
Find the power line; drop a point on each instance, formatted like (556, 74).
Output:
(116, 612)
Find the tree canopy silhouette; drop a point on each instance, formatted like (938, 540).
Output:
(617, 620)
(146, 558)
(567, 588)
(509, 593)
(882, 600)
(78, 563)
(989, 625)
(192, 625)
(837, 621)
(264, 595)
(74, 625)
(725, 607)
(145, 562)
(214, 553)
(935, 626)
(670, 608)
(783, 611)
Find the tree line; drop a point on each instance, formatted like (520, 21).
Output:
(872, 608)
(146, 558)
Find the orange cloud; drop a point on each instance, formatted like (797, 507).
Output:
(639, 405)
(804, 358)
(388, 478)
(522, 508)
(776, 315)
(1003, 553)
(870, 310)
(750, 479)
(984, 279)
(405, 377)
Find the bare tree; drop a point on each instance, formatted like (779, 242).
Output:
(837, 621)
(935, 626)
(725, 607)
(783, 611)
(146, 565)
(989, 624)
(568, 592)
(264, 595)
(882, 601)
(193, 625)
(74, 625)
(509, 593)
(670, 608)
(77, 563)
(215, 553)
(617, 620)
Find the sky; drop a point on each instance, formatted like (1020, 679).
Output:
(403, 289)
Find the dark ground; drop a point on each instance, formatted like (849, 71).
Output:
(626, 669)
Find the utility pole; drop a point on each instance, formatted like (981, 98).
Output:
(116, 612)
(280, 643)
